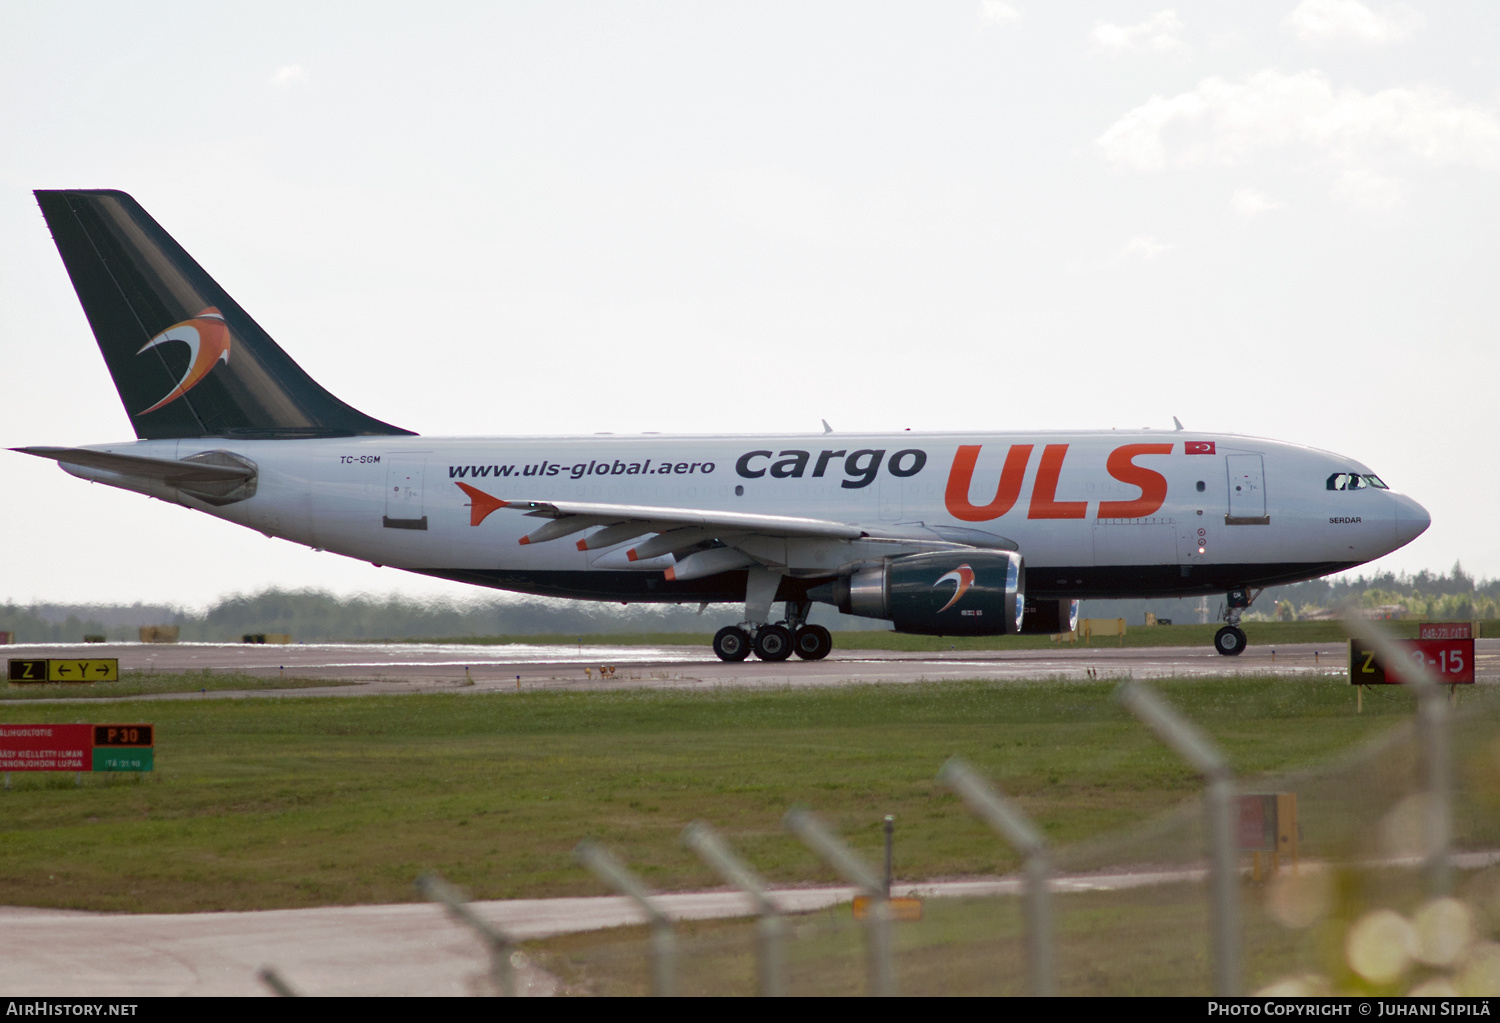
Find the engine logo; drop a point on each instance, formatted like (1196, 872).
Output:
(207, 338)
(962, 577)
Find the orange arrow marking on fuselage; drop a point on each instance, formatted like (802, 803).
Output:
(480, 503)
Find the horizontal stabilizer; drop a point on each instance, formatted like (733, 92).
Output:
(214, 477)
(168, 470)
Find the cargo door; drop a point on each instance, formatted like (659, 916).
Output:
(1247, 491)
(403, 492)
(1135, 542)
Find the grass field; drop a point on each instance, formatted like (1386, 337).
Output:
(1146, 941)
(298, 802)
(1259, 634)
(140, 683)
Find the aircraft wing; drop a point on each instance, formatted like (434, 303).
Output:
(168, 470)
(573, 516)
(721, 540)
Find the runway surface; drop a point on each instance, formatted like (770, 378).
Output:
(413, 667)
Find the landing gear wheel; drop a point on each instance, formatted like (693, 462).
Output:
(732, 643)
(812, 642)
(773, 643)
(1230, 641)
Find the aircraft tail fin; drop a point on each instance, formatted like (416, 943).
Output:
(186, 360)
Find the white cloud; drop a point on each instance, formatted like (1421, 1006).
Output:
(1366, 189)
(1159, 34)
(1144, 246)
(1351, 22)
(1248, 203)
(998, 13)
(1301, 121)
(287, 76)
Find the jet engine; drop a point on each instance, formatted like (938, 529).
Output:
(973, 593)
(1049, 617)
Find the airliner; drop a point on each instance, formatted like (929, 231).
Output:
(946, 534)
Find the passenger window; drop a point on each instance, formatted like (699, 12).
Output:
(1201, 486)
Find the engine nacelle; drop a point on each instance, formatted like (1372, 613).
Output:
(974, 593)
(1049, 617)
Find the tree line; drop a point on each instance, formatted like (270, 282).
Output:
(319, 616)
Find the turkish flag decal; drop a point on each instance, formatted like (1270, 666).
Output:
(1198, 447)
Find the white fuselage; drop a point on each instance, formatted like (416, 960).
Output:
(1094, 514)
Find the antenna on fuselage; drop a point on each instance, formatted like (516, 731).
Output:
(826, 427)
(1177, 423)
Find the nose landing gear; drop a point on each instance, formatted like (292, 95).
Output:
(1230, 641)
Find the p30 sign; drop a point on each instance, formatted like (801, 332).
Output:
(1449, 661)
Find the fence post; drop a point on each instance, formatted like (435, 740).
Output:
(663, 941)
(771, 929)
(1434, 725)
(1006, 819)
(496, 942)
(1223, 869)
(818, 837)
(273, 980)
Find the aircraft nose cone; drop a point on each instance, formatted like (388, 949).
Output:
(1412, 520)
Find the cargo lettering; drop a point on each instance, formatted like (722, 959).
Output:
(860, 467)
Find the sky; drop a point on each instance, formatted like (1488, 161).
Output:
(1276, 219)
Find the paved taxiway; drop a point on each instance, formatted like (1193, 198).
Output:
(405, 949)
(414, 667)
(411, 949)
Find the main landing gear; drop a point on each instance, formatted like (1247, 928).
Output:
(1230, 641)
(775, 641)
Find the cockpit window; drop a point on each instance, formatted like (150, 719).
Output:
(1355, 481)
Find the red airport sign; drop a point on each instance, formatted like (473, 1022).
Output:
(76, 747)
(1449, 661)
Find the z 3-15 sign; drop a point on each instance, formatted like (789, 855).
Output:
(1449, 661)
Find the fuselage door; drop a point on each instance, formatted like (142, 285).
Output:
(1247, 490)
(403, 492)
